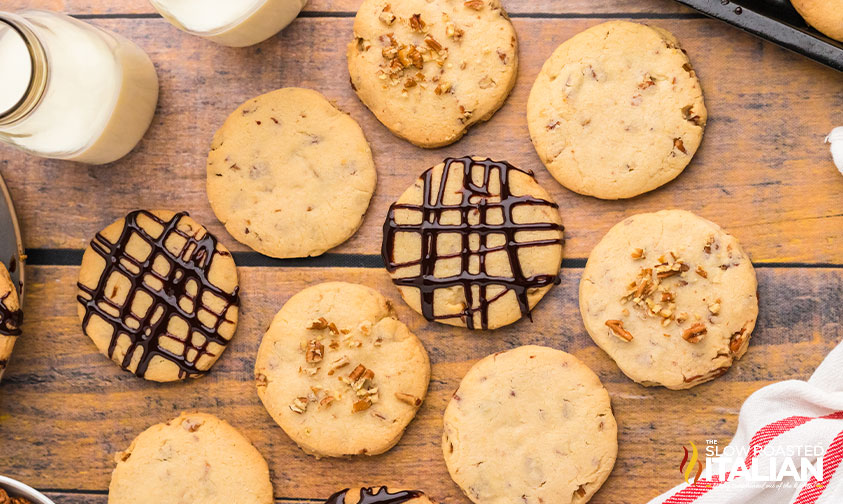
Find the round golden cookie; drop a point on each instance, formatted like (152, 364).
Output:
(532, 424)
(430, 69)
(11, 317)
(824, 15)
(479, 252)
(158, 294)
(193, 458)
(339, 373)
(379, 495)
(671, 297)
(617, 110)
(289, 174)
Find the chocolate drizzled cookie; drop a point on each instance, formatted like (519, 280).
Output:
(158, 294)
(474, 242)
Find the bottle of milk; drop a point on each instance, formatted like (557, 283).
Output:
(234, 23)
(70, 90)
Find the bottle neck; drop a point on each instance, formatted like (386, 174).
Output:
(17, 26)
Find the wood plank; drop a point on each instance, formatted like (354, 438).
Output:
(90, 498)
(100, 7)
(762, 172)
(65, 409)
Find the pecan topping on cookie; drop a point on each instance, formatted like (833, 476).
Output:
(474, 4)
(695, 333)
(416, 23)
(408, 398)
(315, 351)
(299, 405)
(319, 324)
(617, 327)
(387, 17)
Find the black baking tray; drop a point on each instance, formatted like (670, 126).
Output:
(776, 21)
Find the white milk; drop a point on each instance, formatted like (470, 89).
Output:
(92, 94)
(235, 23)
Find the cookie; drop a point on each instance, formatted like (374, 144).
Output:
(617, 110)
(430, 69)
(158, 295)
(193, 458)
(289, 174)
(11, 317)
(339, 373)
(380, 496)
(474, 243)
(530, 425)
(671, 297)
(824, 15)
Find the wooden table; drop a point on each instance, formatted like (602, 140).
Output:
(762, 173)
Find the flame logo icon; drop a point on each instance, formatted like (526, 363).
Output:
(689, 462)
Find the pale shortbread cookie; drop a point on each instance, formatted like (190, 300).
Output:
(289, 174)
(429, 69)
(11, 317)
(671, 297)
(380, 495)
(824, 15)
(158, 294)
(339, 373)
(194, 458)
(617, 110)
(490, 247)
(531, 425)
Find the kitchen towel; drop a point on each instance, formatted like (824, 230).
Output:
(786, 431)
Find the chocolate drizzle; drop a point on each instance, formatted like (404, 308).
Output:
(479, 200)
(10, 320)
(367, 496)
(191, 265)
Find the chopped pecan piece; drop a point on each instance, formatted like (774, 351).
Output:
(454, 31)
(736, 341)
(637, 253)
(315, 352)
(442, 88)
(694, 333)
(680, 145)
(338, 363)
(319, 324)
(299, 405)
(361, 405)
(416, 23)
(474, 4)
(432, 43)
(617, 327)
(702, 272)
(408, 398)
(387, 17)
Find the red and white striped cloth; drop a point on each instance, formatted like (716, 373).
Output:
(789, 415)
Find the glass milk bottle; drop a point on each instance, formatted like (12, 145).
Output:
(69, 90)
(234, 23)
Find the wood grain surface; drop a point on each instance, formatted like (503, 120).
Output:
(762, 173)
(348, 7)
(66, 409)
